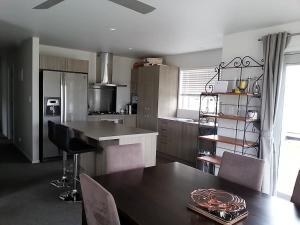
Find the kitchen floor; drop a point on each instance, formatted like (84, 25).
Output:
(162, 160)
(26, 197)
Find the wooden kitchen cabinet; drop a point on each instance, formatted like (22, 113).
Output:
(163, 138)
(93, 118)
(52, 63)
(175, 140)
(157, 91)
(76, 65)
(147, 98)
(178, 140)
(130, 121)
(188, 149)
(134, 82)
(125, 119)
(63, 64)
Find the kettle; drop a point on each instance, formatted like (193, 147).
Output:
(129, 109)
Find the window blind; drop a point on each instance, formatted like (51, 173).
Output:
(192, 82)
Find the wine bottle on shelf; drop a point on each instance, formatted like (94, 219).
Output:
(256, 88)
(249, 89)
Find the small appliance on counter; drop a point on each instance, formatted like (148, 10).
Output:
(134, 108)
(134, 101)
(129, 109)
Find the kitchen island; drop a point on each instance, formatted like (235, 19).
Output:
(106, 133)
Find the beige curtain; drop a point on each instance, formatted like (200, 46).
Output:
(274, 46)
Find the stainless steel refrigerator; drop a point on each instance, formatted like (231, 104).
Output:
(63, 97)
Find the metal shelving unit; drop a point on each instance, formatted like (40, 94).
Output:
(242, 122)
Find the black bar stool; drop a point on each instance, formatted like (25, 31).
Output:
(74, 146)
(63, 181)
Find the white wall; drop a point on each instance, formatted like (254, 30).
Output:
(26, 92)
(195, 60)
(7, 70)
(246, 43)
(1, 107)
(122, 75)
(121, 68)
(3, 95)
(7, 62)
(35, 98)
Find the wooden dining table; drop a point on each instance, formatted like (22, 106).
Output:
(159, 196)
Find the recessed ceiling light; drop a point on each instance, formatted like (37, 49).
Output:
(112, 29)
(130, 49)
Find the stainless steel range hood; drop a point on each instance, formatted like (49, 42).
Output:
(104, 69)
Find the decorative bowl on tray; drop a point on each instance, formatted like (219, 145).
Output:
(220, 206)
(218, 200)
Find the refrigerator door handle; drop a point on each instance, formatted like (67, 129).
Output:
(66, 119)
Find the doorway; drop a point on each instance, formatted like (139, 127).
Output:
(6, 99)
(289, 161)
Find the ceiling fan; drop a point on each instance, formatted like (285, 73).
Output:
(134, 5)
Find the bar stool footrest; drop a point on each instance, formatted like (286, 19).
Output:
(71, 196)
(61, 183)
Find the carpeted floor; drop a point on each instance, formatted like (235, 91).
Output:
(26, 197)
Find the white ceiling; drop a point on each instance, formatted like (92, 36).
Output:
(176, 26)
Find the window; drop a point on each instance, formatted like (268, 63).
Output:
(192, 84)
(290, 144)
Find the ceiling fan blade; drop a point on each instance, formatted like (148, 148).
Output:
(135, 5)
(48, 4)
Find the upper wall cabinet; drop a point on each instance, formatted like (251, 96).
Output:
(63, 64)
(134, 82)
(157, 91)
(52, 63)
(76, 65)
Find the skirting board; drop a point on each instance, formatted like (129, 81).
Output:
(26, 156)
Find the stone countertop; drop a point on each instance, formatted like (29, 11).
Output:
(103, 130)
(109, 114)
(190, 121)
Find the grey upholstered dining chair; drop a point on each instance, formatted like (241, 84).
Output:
(99, 205)
(242, 170)
(123, 157)
(296, 193)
